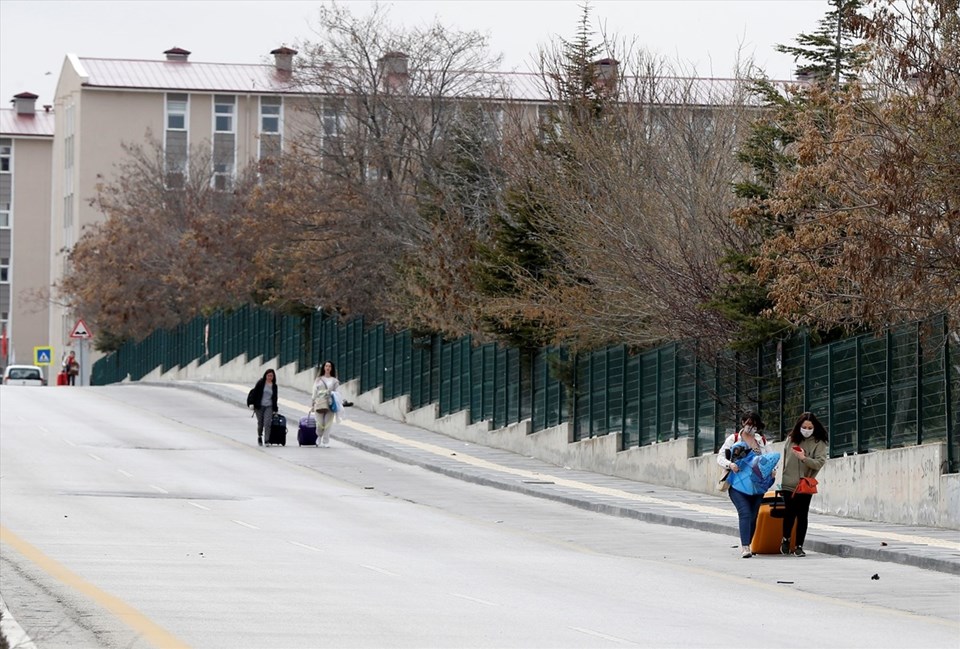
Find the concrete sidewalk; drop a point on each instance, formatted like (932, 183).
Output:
(922, 547)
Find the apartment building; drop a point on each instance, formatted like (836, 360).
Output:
(26, 148)
(244, 112)
(241, 110)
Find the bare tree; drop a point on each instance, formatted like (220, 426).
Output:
(872, 224)
(163, 253)
(631, 176)
(382, 102)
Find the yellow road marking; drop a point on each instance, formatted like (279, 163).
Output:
(149, 630)
(607, 491)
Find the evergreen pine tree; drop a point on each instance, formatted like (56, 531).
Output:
(831, 52)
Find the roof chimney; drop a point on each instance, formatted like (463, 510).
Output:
(25, 103)
(283, 58)
(177, 54)
(607, 74)
(393, 70)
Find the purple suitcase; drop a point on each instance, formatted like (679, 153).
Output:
(307, 432)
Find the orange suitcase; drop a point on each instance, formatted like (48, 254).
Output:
(766, 540)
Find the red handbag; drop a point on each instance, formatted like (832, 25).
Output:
(806, 486)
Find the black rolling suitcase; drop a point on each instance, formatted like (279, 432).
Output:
(278, 431)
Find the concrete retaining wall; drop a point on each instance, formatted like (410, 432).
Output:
(906, 486)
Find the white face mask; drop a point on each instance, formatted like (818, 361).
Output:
(806, 432)
(749, 430)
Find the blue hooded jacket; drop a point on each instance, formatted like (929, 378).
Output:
(755, 475)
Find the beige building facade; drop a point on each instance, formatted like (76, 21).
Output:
(240, 113)
(101, 105)
(26, 145)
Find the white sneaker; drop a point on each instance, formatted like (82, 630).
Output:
(324, 444)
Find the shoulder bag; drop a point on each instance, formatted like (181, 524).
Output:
(806, 486)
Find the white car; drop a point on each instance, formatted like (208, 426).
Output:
(23, 375)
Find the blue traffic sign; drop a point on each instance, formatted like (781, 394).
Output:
(42, 355)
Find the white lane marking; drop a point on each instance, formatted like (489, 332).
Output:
(206, 509)
(380, 570)
(122, 472)
(42, 428)
(69, 442)
(308, 547)
(597, 634)
(100, 459)
(473, 599)
(252, 527)
(160, 489)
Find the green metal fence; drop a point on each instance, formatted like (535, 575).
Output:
(873, 392)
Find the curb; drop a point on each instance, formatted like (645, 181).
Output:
(823, 547)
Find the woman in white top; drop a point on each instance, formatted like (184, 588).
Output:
(323, 396)
(748, 505)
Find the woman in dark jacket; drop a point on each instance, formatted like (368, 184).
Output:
(263, 398)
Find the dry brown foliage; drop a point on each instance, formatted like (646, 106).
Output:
(873, 208)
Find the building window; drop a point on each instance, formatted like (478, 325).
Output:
(223, 106)
(332, 118)
(176, 112)
(270, 127)
(175, 139)
(4, 270)
(6, 154)
(270, 114)
(6, 181)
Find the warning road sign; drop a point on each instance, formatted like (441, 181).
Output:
(80, 330)
(42, 355)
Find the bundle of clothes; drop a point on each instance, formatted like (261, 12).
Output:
(755, 474)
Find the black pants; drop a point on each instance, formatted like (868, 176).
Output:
(798, 509)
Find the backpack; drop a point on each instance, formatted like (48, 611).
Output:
(250, 398)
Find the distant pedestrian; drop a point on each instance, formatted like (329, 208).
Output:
(263, 399)
(326, 400)
(748, 438)
(804, 454)
(71, 367)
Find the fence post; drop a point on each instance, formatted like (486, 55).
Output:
(696, 398)
(948, 397)
(888, 423)
(919, 383)
(857, 432)
(830, 387)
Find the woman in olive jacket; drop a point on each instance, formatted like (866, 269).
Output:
(804, 454)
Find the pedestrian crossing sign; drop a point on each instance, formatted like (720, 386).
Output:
(42, 355)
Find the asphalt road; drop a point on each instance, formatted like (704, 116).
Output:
(136, 516)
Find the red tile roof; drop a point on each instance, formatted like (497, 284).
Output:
(38, 124)
(266, 79)
(186, 76)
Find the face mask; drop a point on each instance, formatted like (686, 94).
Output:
(806, 432)
(750, 429)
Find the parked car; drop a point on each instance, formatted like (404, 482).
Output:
(23, 375)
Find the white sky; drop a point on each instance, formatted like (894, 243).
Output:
(35, 35)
